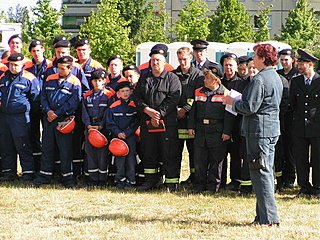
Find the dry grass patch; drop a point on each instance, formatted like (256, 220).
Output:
(56, 213)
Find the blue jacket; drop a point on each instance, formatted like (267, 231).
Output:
(62, 98)
(76, 70)
(18, 92)
(122, 117)
(260, 105)
(94, 106)
(89, 67)
(113, 82)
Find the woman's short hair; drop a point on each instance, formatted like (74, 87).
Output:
(209, 73)
(268, 52)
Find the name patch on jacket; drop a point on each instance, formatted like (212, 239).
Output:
(21, 86)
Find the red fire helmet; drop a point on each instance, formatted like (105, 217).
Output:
(118, 147)
(67, 125)
(97, 139)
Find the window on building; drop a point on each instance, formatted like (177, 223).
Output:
(317, 15)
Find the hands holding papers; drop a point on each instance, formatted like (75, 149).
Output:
(229, 99)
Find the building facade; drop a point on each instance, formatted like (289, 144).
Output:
(77, 10)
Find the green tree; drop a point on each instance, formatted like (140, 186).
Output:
(231, 23)
(108, 33)
(3, 16)
(17, 14)
(44, 25)
(133, 13)
(154, 25)
(193, 21)
(301, 26)
(262, 18)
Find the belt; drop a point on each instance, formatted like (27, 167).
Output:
(207, 121)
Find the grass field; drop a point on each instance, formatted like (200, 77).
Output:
(56, 213)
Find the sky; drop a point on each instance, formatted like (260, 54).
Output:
(6, 4)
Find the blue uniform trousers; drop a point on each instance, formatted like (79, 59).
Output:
(51, 140)
(126, 171)
(97, 162)
(15, 139)
(263, 179)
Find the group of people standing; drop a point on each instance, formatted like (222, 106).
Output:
(150, 113)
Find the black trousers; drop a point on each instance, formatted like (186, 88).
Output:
(304, 161)
(161, 147)
(208, 163)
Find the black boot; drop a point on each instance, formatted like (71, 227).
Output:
(151, 182)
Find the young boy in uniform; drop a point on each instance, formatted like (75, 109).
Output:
(122, 121)
(95, 103)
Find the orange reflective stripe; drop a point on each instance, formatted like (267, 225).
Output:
(217, 98)
(199, 96)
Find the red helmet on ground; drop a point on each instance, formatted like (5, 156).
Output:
(97, 139)
(67, 125)
(118, 147)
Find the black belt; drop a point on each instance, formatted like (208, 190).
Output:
(208, 121)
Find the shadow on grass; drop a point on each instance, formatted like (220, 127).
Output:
(131, 219)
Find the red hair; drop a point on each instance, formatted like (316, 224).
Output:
(268, 52)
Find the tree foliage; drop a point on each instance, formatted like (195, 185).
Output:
(153, 26)
(133, 13)
(262, 18)
(44, 25)
(17, 14)
(108, 33)
(231, 23)
(193, 21)
(301, 26)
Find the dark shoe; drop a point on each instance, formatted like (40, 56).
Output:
(147, 186)
(188, 181)
(303, 193)
(8, 178)
(245, 190)
(171, 187)
(70, 184)
(120, 185)
(27, 178)
(40, 180)
(280, 184)
(288, 185)
(234, 186)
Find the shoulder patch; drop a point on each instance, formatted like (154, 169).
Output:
(115, 104)
(28, 75)
(109, 92)
(122, 79)
(132, 104)
(74, 80)
(85, 95)
(53, 77)
(28, 64)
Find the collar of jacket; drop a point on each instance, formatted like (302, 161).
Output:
(220, 90)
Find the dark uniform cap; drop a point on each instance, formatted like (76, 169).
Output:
(199, 44)
(113, 57)
(62, 43)
(123, 85)
(215, 70)
(15, 36)
(81, 42)
(14, 57)
(243, 59)
(99, 73)
(306, 57)
(159, 48)
(229, 55)
(131, 67)
(34, 43)
(58, 39)
(287, 51)
(65, 60)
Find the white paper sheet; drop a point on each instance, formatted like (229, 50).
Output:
(236, 95)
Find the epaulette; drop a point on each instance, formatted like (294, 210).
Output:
(109, 92)
(87, 94)
(53, 77)
(115, 104)
(132, 104)
(28, 75)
